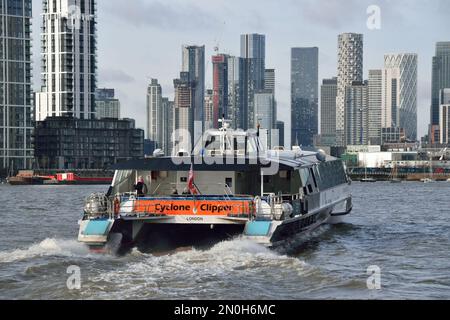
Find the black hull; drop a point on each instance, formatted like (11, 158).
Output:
(296, 228)
(154, 238)
(160, 237)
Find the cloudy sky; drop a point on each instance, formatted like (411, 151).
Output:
(142, 39)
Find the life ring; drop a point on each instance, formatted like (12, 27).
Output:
(116, 206)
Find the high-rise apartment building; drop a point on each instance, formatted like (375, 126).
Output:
(328, 93)
(253, 50)
(304, 95)
(440, 77)
(399, 108)
(375, 84)
(236, 110)
(444, 116)
(194, 65)
(220, 88)
(16, 111)
(168, 126)
(183, 121)
(350, 68)
(69, 48)
(356, 113)
(155, 121)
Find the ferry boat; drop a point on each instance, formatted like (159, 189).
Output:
(228, 186)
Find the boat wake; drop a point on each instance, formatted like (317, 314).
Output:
(193, 272)
(47, 247)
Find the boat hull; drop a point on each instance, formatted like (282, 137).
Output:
(166, 237)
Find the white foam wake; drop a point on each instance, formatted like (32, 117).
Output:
(47, 247)
(157, 276)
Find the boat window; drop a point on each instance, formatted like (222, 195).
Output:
(183, 179)
(332, 174)
(122, 175)
(304, 176)
(122, 181)
(229, 182)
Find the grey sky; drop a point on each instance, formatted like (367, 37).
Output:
(142, 39)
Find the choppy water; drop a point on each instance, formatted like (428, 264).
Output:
(402, 228)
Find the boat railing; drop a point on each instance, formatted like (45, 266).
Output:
(98, 205)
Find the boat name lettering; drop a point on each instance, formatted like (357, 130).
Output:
(172, 207)
(215, 208)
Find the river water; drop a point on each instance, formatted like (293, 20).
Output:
(403, 229)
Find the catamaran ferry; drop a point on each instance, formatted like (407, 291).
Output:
(228, 186)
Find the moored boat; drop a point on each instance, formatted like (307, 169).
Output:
(28, 177)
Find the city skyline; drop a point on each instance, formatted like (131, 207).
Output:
(130, 75)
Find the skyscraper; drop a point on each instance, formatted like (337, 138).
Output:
(356, 113)
(220, 88)
(350, 68)
(167, 120)
(328, 93)
(183, 119)
(106, 105)
(155, 121)
(253, 50)
(399, 109)
(236, 110)
(194, 65)
(444, 116)
(440, 77)
(304, 95)
(68, 60)
(375, 84)
(16, 123)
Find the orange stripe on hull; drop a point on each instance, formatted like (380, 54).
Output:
(186, 207)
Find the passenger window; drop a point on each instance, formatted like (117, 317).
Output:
(229, 182)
